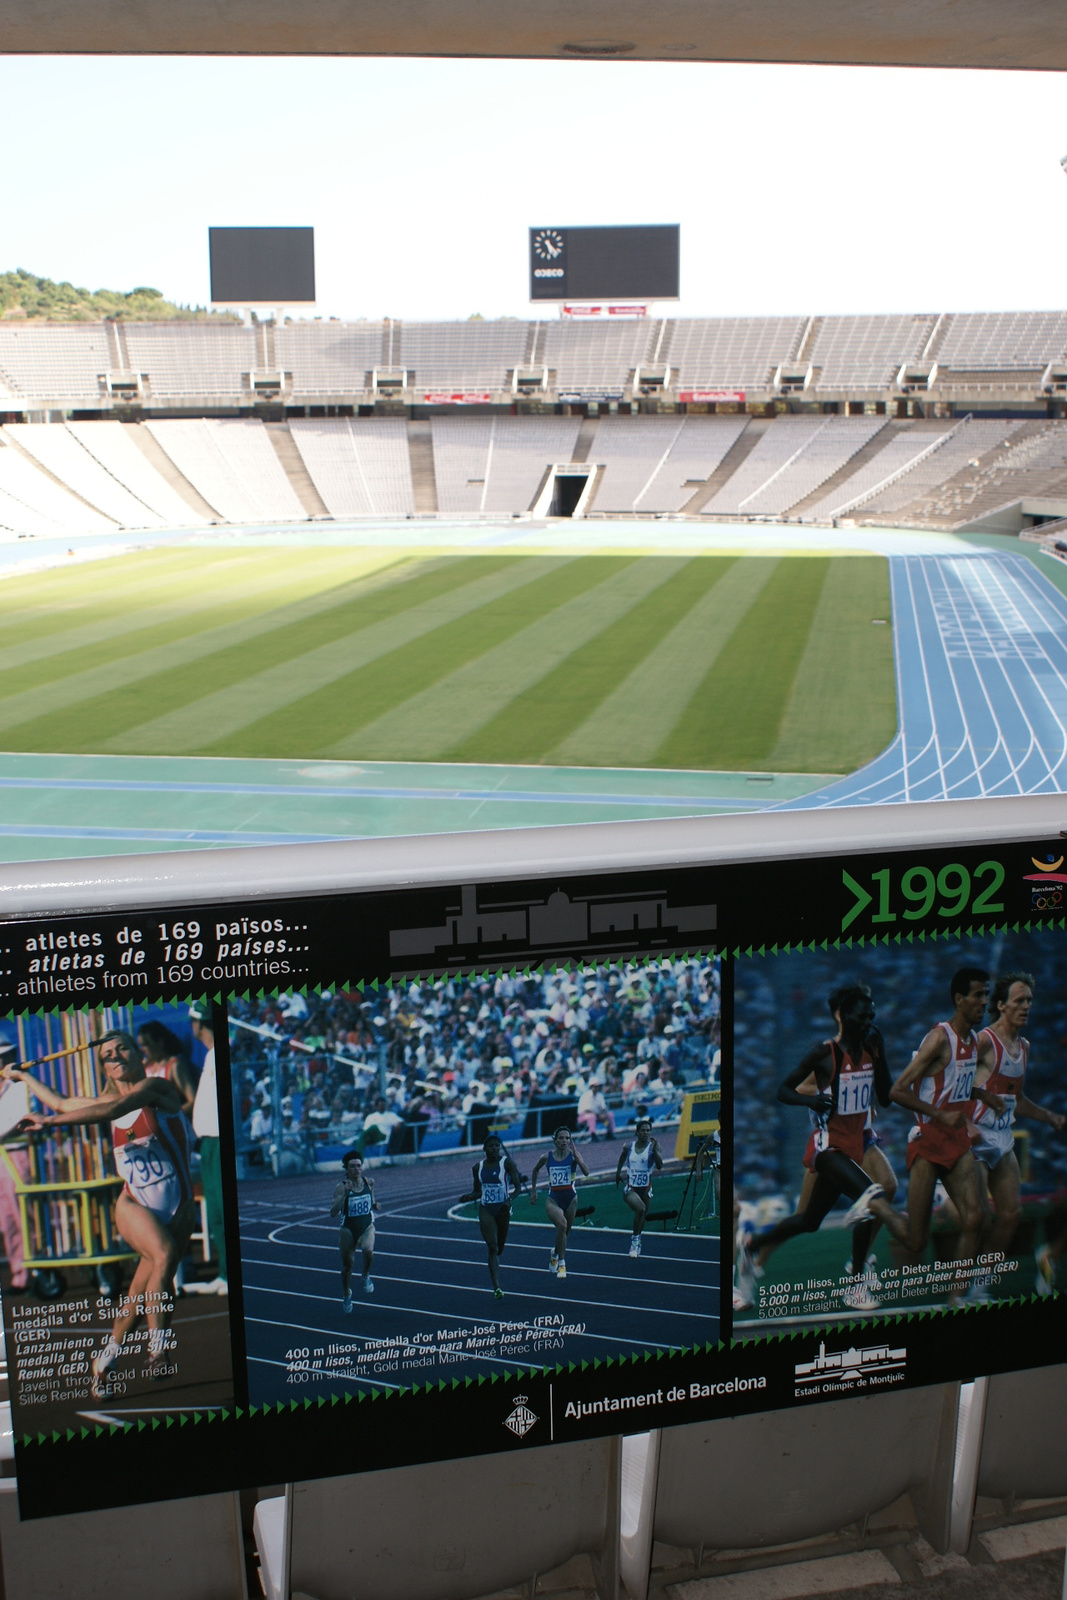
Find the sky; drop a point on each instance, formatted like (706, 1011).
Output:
(798, 189)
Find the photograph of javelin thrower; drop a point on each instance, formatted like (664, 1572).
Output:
(899, 1116)
(390, 1228)
(102, 1217)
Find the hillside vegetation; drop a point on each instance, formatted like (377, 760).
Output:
(24, 295)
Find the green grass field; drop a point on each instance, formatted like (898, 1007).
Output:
(611, 1211)
(713, 662)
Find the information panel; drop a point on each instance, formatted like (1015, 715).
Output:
(631, 263)
(476, 1167)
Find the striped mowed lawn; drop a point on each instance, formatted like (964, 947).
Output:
(719, 662)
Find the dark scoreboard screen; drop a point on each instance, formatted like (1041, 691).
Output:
(605, 263)
(262, 266)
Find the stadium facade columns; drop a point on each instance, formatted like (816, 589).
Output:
(932, 33)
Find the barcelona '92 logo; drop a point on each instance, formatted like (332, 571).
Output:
(1047, 883)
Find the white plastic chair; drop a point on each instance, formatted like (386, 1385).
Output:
(782, 1476)
(445, 1531)
(173, 1550)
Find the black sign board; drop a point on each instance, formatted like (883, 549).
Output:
(488, 1165)
(262, 266)
(626, 264)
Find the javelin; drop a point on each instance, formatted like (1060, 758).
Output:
(58, 1055)
(298, 1044)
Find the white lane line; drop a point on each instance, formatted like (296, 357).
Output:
(461, 1261)
(1015, 604)
(966, 741)
(951, 603)
(523, 1294)
(603, 1247)
(1000, 644)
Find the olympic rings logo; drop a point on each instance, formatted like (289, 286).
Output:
(1047, 899)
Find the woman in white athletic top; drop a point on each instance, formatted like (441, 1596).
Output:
(639, 1160)
(155, 1210)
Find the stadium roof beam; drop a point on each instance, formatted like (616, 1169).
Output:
(920, 33)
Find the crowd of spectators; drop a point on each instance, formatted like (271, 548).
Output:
(780, 1010)
(360, 1068)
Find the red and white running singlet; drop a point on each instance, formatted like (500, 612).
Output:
(152, 1159)
(949, 1088)
(1006, 1080)
(852, 1090)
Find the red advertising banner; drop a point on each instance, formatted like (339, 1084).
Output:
(630, 310)
(712, 394)
(468, 397)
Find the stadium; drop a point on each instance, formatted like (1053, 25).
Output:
(515, 571)
(278, 579)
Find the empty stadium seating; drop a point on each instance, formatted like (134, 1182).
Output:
(472, 355)
(495, 464)
(866, 352)
(828, 449)
(360, 467)
(814, 1467)
(732, 352)
(327, 359)
(113, 445)
(699, 448)
(631, 450)
(522, 449)
(901, 453)
(179, 360)
(31, 502)
(233, 465)
(999, 341)
(196, 1549)
(554, 1502)
(966, 444)
(55, 364)
(219, 363)
(65, 455)
(63, 480)
(592, 358)
(779, 446)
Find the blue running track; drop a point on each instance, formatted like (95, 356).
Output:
(981, 660)
(432, 1315)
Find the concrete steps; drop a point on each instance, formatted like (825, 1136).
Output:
(295, 470)
(746, 441)
(842, 475)
(584, 442)
(1000, 476)
(155, 453)
(420, 454)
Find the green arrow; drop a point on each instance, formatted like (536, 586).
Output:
(863, 899)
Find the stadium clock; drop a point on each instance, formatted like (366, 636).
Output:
(548, 244)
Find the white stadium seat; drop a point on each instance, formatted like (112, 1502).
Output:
(784, 1476)
(172, 1550)
(483, 1523)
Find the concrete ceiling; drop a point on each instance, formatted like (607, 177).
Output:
(923, 33)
